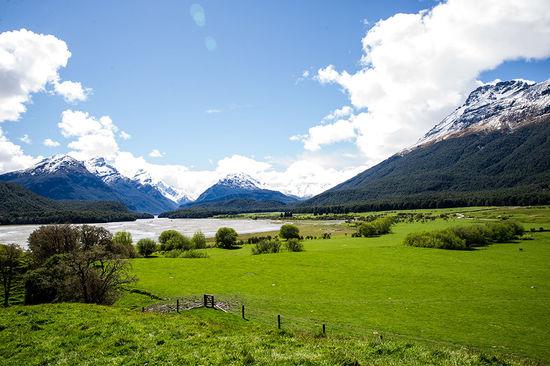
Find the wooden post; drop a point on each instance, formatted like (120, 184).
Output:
(324, 329)
(204, 297)
(279, 321)
(178, 305)
(242, 310)
(142, 309)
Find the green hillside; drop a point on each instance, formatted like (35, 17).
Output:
(498, 168)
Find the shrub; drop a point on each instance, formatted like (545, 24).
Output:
(185, 254)
(146, 247)
(198, 240)
(122, 241)
(226, 238)
(266, 246)
(440, 239)
(474, 235)
(180, 242)
(294, 245)
(288, 231)
(165, 237)
(379, 226)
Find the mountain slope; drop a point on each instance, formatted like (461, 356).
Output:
(19, 205)
(137, 196)
(498, 157)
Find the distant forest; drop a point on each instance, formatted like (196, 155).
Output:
(19, 205)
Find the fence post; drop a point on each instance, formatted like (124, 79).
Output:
(279, 321)
(242, 310)
(178, 305)
(204, 299)
(143, 309)
(324, 329)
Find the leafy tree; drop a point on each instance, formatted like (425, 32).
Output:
(289, 231)
(123, 241)
(173, 239)
(146, 247)
(75, 264)
(199, 240)
(12, 264)
(294, 245)
(226, 238)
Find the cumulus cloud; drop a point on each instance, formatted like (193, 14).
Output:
(12, 156)
(416, 68)
(71, 91)
(156, 154)
(29, 62)
(94, 136)
(50, 143)
(26, 139)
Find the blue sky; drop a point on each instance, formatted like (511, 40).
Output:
(151, 71)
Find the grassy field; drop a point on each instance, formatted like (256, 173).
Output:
(431, 306)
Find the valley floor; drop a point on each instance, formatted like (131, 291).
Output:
(431, 306)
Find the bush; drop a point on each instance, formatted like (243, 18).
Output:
(441, 239)
(122, 240)
(198, 240)
(185, 254)
(288, 231)
(146, 247)
(165, 237)
(466, 237)
(266, 246)
(226, 238)
(294, 245)
(376, 227)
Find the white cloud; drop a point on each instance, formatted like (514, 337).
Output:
(343, 112)
(156, 154)
(28, 63)
(71, 91)
(94, 137)
(26, 139)
(124, 135)
(341, 130)
(416, 68)
(50, 143)
(12, 156)
(213, 111)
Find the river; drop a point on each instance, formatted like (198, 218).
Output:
(151, 228)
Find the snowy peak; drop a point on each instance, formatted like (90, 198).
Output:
(100, 168)
(57, 163)
(167, 191)
(503, 105)
(240, 180)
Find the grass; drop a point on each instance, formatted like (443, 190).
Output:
(69, 334)
(432, 306)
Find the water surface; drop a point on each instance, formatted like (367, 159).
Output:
(151, 228)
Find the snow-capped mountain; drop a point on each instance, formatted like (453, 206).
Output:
(56, 163)
(503, 105)
(241, 186)
(167, 191)
(63, 177)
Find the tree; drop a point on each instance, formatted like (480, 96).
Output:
(172, 239)
(122, 241)
(226, 238)
(11, 265)
(289, 231)
(75, 263)
(199, 240)
(146, 247)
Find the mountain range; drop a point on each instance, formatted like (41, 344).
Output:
(494, 149)
(235, 193)
(62, 177)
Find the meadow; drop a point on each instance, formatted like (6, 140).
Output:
(375, 295)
